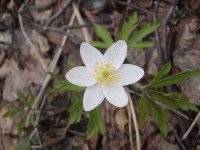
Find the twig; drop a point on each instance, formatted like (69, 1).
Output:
(158, 43)
(1, 136)
(76, 133)
(191, 126)
(30, 43)
(66, 33)
(80, 20)
(165, 20)
(129, 126)
(51, 68)
(67, 3)
(176, 136)
(134, 120)
(55, 140)
(31, 136)
(134, 6)
(84, 25)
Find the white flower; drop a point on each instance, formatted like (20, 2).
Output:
(104, 75)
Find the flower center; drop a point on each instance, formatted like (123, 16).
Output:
(105, 74)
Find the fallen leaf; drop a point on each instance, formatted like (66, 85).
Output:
(10, 142)
(136, 56)
(152, 68)
(41, 5)
(195, 4)
(16, 79)
(10, 5)
(164, 145)
(144, 3)
(43, 16)
(7, 38)
(121, 118)
(6, 124)
(186, 57)
(40, 43)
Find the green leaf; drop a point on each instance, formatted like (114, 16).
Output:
(174, 79)
(75, 112)
(55, 77)
(172, 99)
(123, 35)
(69, 86)
(22, 98)
(133, 19)
(160, 115)
(175, 95)
(143, 109)
(21, 124)
(143, 44)
(169, 101)
(128, 28)
(103, 34)
(24, 144)
(73, 97)
(184, 105)
(100, 44)
(31, 120)
(96, 124)
(166, 68)
(62, 85)
(91, 132)
(71, 64)
(144, 31)
(32, 101)
(14, 113)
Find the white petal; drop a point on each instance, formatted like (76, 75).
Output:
(80, 76)
(116, 95)
(90, 56)
(116, 53)
(129, 74)
(93, 96)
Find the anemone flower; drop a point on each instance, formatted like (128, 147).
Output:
(104, 75)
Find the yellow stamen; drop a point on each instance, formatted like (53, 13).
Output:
(105, 74)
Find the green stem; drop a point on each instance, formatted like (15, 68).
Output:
(138, 86)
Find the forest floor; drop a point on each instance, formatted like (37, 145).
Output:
(41, 36)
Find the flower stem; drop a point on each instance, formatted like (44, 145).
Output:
(138, 86)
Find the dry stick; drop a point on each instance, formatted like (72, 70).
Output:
(51, 68)
(35, 131)
(134, 120)
(66, 33)
(159, 50)
(56, 140)
(127, 8)
(165, 20)
(29, 42)
(81, 22)
(1, 136)
(56, 15)
(85, 25)
(134, 6)
(37, 134)
(129, 126)
(176, 136)
(191, 126)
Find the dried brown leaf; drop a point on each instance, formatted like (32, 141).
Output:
(121, 118)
